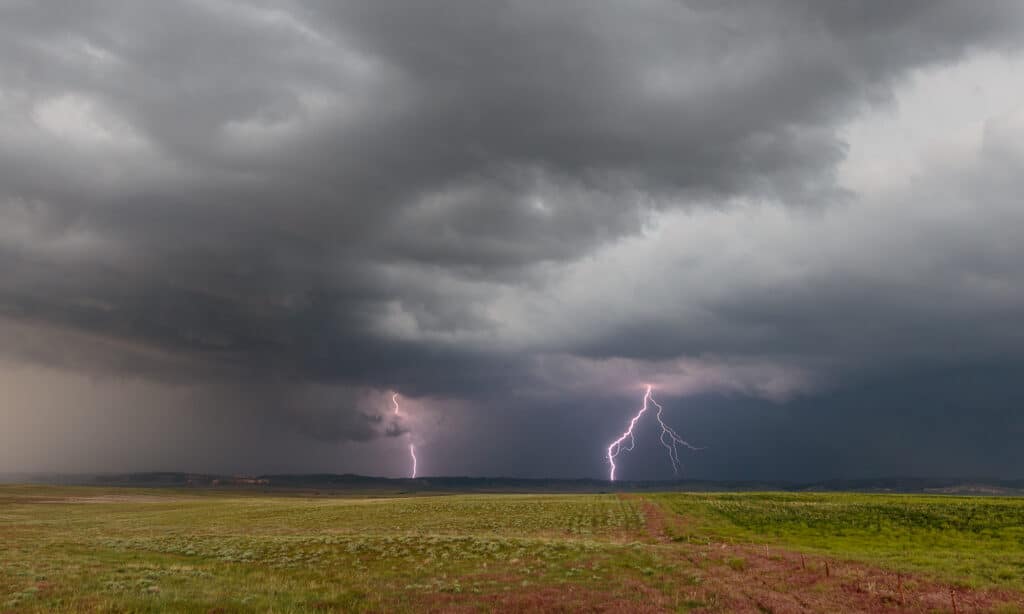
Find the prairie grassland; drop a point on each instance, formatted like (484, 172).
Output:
(974, 541)
(132, 550)
(80, 549)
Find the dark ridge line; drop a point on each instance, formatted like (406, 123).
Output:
(349, 481)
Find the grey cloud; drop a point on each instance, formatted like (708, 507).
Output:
(347, 193)
(927, 276)
(469, 136)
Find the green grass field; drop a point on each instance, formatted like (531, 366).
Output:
(970, 540)
(95, 549)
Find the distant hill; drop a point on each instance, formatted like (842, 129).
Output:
(327, 483)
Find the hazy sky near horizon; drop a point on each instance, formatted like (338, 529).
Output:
(231, 231)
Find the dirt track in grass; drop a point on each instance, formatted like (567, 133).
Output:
(464, 553)
(721, 577)
(747, 578)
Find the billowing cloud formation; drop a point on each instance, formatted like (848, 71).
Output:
(289, 209)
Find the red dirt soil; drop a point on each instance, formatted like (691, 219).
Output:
(740, 578)
(755, 579)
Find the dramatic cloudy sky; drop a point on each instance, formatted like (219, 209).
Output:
(230, 231)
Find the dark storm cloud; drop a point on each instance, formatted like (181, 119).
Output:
(927, 276)
(307, 194)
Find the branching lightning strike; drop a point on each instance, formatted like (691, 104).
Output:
(617, 445)
(673, 438)
(412, 447)
(669, 438)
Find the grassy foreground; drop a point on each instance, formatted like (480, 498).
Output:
(977, 541)
(96, 549)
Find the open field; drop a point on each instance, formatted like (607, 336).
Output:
(119, 549)
(971, 540)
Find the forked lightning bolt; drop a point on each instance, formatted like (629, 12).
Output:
(669, 438)
(617, 445)
(412, 448)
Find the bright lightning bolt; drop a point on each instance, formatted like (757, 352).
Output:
(616, 446)
(669, 438)
(673, 438)
(412, 447)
